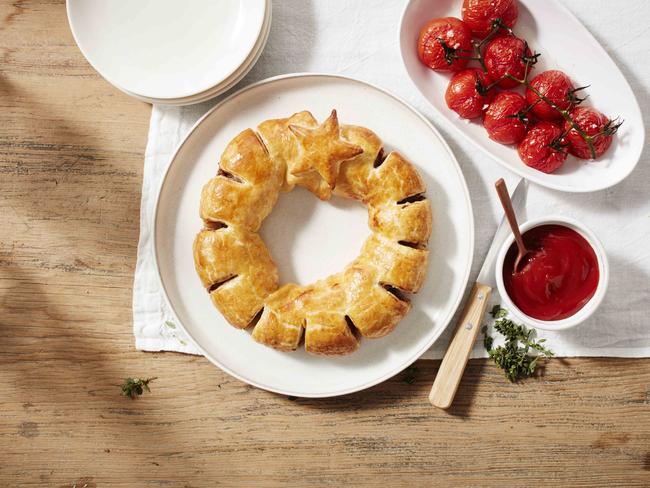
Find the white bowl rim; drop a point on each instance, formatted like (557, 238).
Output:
(589, 308)
(221, 88)
(259, 29)
(545, 183)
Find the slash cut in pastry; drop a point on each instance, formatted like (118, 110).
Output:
(367, 298)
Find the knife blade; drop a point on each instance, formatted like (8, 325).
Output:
(486, 275)
(455, 359)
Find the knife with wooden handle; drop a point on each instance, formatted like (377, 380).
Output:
(455, 359)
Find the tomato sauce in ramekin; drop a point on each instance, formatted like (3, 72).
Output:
(557, 278)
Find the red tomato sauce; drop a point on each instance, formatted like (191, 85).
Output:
(557, 278)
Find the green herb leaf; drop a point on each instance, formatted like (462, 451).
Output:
(410, 375)
(487, 339)
(514, 356)
(497, 312)
(133, 387)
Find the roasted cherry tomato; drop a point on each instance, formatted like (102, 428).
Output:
(557, 87)
(594, 124)
(507, 55)
(541, 149)
(511, 14)
(467, 95)
(441, 41)
(479, 15)
(501, 121)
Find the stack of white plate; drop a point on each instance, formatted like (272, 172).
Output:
(169, 51)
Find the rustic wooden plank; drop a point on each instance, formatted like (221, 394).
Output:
(200, 427)
(71, 151)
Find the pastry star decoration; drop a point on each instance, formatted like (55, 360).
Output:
(323, 149)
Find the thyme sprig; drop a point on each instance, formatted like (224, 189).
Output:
(519, 355)
(410, 375)
(134, 387)
(497, 312)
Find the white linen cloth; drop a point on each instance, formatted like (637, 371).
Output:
(359, 39)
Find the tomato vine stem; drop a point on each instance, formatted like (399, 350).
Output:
(498, 24)
(610, 128)
(564, 113)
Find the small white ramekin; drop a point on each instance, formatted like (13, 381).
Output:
(589, 308)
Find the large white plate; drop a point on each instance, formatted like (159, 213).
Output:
(228, 83)
(310, 239)
(565, 44)
(166, 48)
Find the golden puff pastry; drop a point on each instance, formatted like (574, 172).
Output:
(248, 178)
(367, 298)
(237, 270)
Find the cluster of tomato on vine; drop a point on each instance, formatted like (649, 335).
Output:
(548, 122)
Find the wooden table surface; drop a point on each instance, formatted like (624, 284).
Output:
(71, 153)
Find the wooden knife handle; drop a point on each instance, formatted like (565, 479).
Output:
(453, 364)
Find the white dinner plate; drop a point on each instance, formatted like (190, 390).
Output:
(310, 239)
(166, 49)
(549, 28)
(228, 83)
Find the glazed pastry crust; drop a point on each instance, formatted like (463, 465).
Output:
(282, 322)
(354, 174)
(283, 146)
(397, 265)
(373, 309)
(329, 334)
(248, 179)
(237, 270)
(367, 298)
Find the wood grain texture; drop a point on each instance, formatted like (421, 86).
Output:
(71, 150)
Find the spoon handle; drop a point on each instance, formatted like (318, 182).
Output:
(504, 196)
